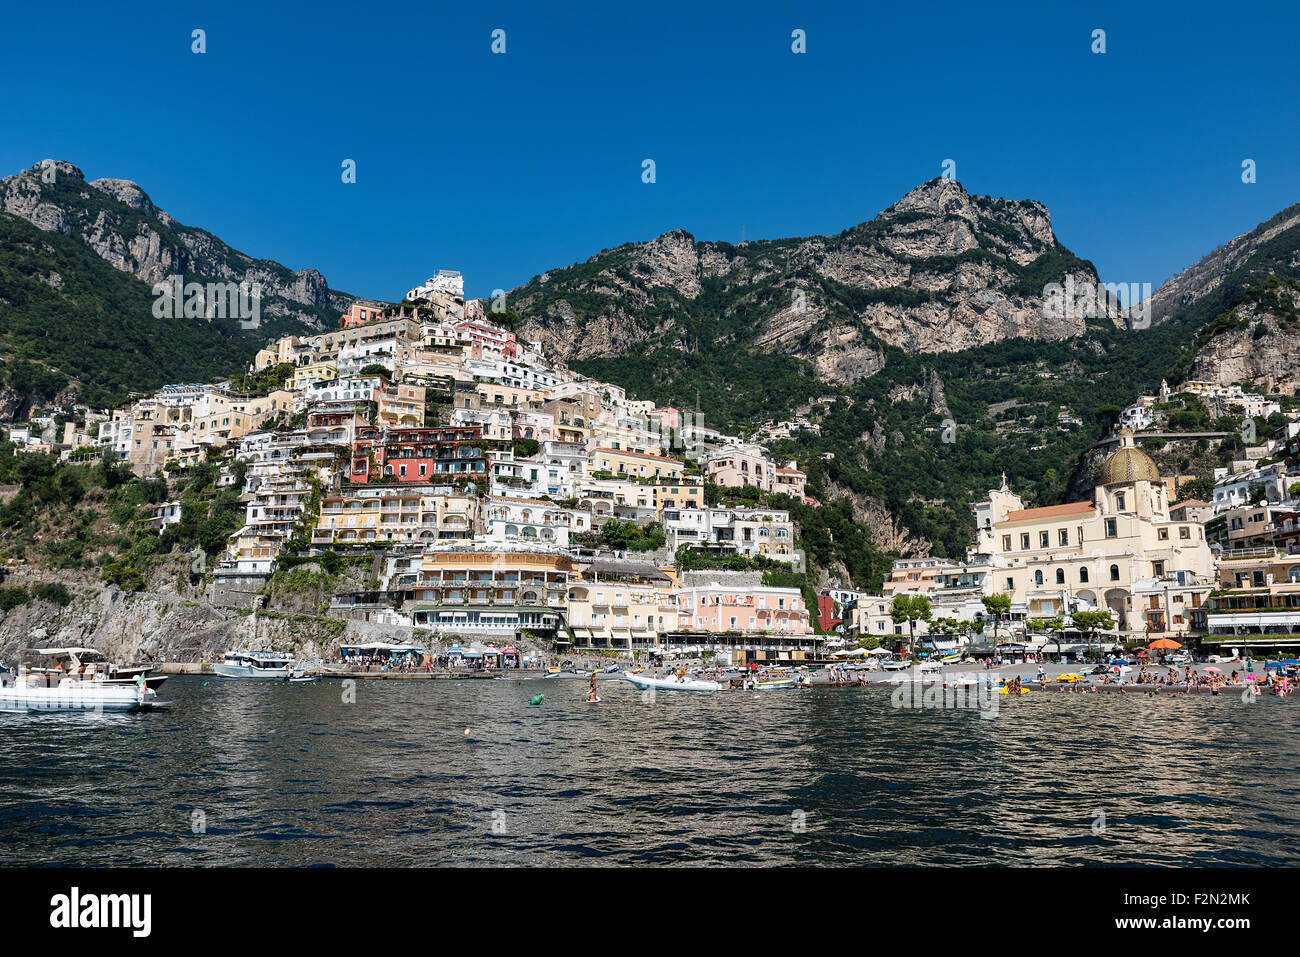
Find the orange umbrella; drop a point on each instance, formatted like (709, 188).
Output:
(1164, 643)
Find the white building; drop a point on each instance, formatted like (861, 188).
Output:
(448, 281)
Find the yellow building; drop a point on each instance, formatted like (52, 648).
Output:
(401, 406)
(306, 375)
(383, 514)
(1091, 554)
(286, 349)
(621, 605)
(686, 493)
(634, 464)
(468, 592)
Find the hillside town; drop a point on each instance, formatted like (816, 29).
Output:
(502, 497)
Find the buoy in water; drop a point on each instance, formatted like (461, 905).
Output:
(537, 699)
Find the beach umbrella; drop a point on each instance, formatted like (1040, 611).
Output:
(1215, 670)
(1164, 643)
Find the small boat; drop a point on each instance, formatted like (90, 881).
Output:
(670, 683)
(773, 680)
(895, 664)
(29, 693)
(296, 679)
(257, 665)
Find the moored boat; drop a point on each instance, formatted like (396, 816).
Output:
(773, 679)
(256, 665)
(29, 692)
(87, 664)
(670, 683)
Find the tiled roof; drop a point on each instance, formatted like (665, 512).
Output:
(1050, 511)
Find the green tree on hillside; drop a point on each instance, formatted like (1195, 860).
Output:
(910, 609)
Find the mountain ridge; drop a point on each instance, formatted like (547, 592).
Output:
(939, 270)
(117, 220)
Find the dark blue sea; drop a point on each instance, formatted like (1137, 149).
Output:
(435, 773)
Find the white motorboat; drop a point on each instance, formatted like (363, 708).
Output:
(30, 692)
(87, 664)
(255, 665)
(670, 683)
(895, 664)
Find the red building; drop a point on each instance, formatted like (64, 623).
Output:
(418, 455)
(826, 613)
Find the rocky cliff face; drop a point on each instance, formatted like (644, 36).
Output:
(162, 624)
(938, 271)
(1258, 341)
(1269, 247)
(118, 221)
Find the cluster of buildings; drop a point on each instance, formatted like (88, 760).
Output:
(477, 476)
(1224, 573)
(1219, 401)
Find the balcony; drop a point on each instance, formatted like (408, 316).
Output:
(1247, 554)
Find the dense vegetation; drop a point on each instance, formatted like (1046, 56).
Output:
(83, 516)
(68, 315)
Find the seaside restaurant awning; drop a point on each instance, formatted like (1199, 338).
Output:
(381, 648)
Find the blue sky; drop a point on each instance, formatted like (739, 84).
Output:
(505, 165)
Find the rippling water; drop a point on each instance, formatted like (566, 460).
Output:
(291, 775)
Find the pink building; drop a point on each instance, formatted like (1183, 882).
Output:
(533, 425)
(736, 468)
(915, 576)
(789, 481)
(666, 417)
(489, 339)
(359, 313)
(755, 609)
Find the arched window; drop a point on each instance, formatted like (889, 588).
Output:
(1060, 576)
(1114, 573)
(1083, 574)
(1038, 577)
